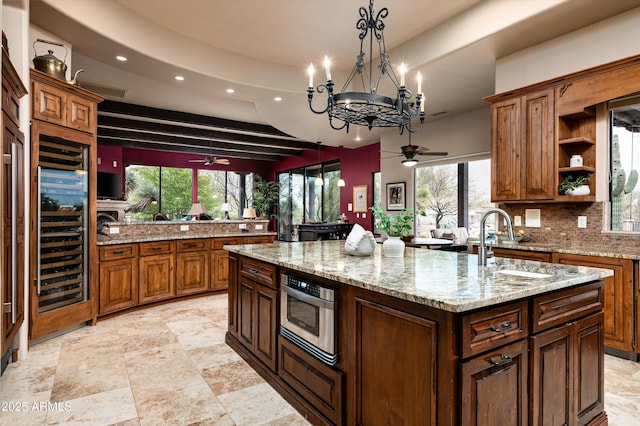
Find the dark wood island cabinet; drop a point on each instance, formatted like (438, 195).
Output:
(430, 339)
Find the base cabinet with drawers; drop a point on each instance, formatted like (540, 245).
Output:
(118, 269)
(534, 361)
(619, 329)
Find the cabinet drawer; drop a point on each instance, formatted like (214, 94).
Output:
(263, 273)
(257, 240)
(192, 245)
(158, 247)
(567, 305)
(218, 243)
(319, 384)
(487, 330)
(120, 251)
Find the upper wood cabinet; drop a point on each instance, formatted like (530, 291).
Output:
(522, 147)
(536, 129)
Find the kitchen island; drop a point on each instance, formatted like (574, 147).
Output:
(430, 338)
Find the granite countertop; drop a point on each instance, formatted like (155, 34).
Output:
(444, 280)
(613, 251)
(104, 240)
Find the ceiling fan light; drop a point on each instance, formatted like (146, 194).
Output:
(410, 162)
(318, 181)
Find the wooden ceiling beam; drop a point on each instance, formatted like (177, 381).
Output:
(172, 147)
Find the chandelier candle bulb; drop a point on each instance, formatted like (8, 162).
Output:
(403, 71)
(422, 102)
(419, 78)
(327, 67)
(310, 72)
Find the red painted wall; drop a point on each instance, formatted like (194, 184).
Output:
(356, 168)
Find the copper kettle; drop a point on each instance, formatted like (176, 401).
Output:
(51, 65)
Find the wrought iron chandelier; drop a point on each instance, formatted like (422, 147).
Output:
(368, 108)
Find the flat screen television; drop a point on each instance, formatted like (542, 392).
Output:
(109, 186)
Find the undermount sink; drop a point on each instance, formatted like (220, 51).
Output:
(524, 274)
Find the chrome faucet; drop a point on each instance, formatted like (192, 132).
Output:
(482, 249)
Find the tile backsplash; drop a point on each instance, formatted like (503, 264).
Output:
(559, 224)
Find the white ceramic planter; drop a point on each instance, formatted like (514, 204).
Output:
(581, 190)
(393, 247)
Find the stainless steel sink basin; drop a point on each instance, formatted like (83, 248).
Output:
(523, 274)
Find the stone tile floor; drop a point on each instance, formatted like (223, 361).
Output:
(169, 365)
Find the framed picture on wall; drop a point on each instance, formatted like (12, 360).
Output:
(396, 196)
(360, 199)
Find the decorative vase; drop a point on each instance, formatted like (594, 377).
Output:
(393, 247)
(581, 190)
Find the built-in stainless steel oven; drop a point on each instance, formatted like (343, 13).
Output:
(307, 317)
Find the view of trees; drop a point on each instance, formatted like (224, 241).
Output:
(168, 190)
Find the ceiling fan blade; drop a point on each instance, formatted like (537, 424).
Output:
(196, 161)
(434, 153)
(223, 161)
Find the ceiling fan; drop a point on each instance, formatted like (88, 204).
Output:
(210, 160)
(412, 153)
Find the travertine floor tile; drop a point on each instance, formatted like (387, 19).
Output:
(169, 365)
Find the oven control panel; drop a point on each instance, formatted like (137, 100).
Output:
(309, 288)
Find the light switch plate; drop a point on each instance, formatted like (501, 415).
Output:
(242, 226)
(350, 207)
(258, 227)
(582, 221)
(114, 230)
(517, 221)
(184, 227)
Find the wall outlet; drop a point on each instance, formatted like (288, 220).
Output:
(114, 230)
(115, 163)
(517, 221)
(582, 221)
(242, 226)
(99, 160)
(259, 227)
(184, 227)
(364, 215)
(350, 207)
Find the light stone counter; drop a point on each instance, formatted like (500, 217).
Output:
(614, 251)
(444, 280)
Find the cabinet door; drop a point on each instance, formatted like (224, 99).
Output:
(233, 295)
(552, 386)
(589, 364)
(192, 272)
(618, 297)
(49, 103)
(118, 285)
(506, 148)
(220, 268)
(390, 386)
(266, 326)
(81, 113)
(538, 155)
(246, 298)
(494, 387)
(12, 231)
(156, 277)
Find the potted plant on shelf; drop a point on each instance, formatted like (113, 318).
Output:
(575, 185)
(396, 226)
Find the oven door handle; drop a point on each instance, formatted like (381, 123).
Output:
(312, 300)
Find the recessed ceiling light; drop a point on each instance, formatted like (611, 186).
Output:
(277, 99)
(231, 91)
(179, 77)
(121, 58)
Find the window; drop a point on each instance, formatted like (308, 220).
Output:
(452, 195)
(302, 201)
(169, 190)
(625, 160)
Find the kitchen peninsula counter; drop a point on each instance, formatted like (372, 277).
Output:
(430, 338)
